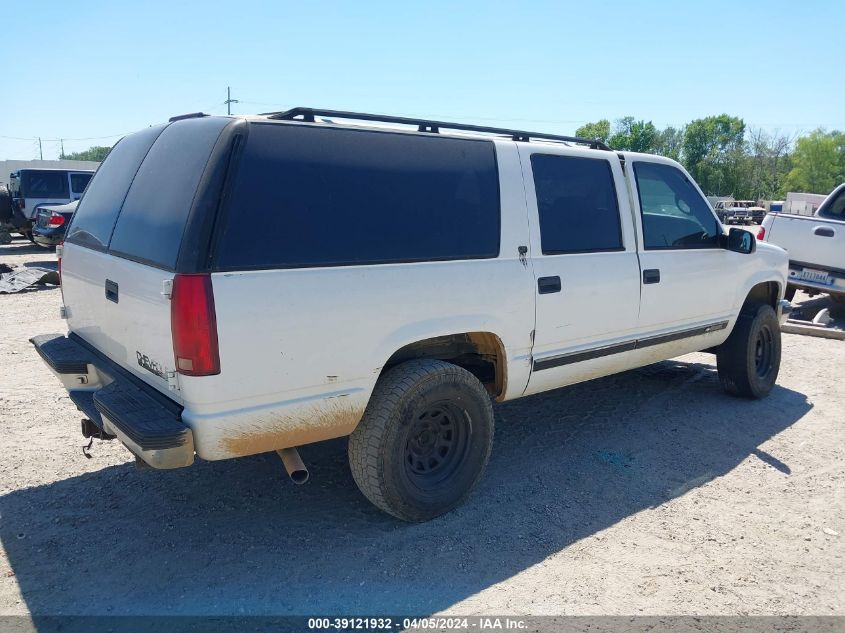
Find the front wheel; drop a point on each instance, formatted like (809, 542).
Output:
(749, 360)
(424, 440)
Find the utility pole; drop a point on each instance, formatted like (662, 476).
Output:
(229, 101)
(40, 153)
(62, 141)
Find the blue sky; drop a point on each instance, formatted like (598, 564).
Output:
(77, 69)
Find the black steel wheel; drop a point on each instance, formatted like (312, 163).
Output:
(424, 440)
(749, 360)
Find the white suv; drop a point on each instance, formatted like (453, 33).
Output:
(241, 285)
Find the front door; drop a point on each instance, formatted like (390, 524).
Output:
(687, 278)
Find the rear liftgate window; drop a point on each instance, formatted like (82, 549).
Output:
(155, 212)
(306, 196)
(94, 219)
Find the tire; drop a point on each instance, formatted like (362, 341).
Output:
(789, 295)
(837, 305)
(424, 440)
(5, 205)
(749, 360)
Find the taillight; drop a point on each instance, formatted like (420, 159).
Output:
(21, 203)
(56, 219)
(193, 326)
(761, 233)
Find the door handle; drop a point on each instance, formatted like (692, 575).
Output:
(548, 285)
(651, 276)
(111, 290)
(823, 231)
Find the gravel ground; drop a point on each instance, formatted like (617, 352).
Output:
(649, 492)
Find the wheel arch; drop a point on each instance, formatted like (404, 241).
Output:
(480, 353)
(765, 292)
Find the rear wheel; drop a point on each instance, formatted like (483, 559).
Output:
(424, 440)
(749, 360)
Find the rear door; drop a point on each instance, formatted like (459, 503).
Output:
(42, 186)
(124, 242)
(584, 256)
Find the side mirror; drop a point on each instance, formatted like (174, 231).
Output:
(740, 241)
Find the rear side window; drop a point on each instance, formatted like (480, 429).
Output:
(44, 184)
(78, 182)
(835, 208)
(576, 200)
(674, 215)
(306, 196)
(97, 211)
(155, 212)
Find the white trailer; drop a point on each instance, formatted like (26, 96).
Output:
(802, 203)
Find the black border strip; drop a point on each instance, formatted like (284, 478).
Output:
(627, 346)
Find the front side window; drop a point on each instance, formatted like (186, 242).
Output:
(674, 215)
(576, 200)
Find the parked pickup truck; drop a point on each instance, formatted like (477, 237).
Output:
(404, 274)
(816, 246)
(740, 212)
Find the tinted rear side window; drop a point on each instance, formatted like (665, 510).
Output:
(97, 211)
(325, 197)
(78, 182)
(576, 200)
(44, 184)
(155, 212)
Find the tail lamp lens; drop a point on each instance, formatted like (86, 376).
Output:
(193, 324)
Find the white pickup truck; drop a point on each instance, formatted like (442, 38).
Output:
(240, 285)
(815, 244)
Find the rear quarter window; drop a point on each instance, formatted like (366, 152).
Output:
(155, 212)
(310, 196)
(95, 216)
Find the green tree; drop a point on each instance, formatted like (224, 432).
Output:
(670, 142)
(818, 163)
(713, 151)
(634, 136)
(600, 130)
(96, 153)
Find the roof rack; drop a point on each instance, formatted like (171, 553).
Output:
(425, 125)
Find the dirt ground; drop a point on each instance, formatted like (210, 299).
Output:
(650, 492)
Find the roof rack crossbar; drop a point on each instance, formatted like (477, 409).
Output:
(425, 125)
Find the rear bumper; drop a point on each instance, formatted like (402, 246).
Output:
(148, 423)
(47, 237)
(836, 276)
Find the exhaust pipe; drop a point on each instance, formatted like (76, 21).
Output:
(297, 471)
